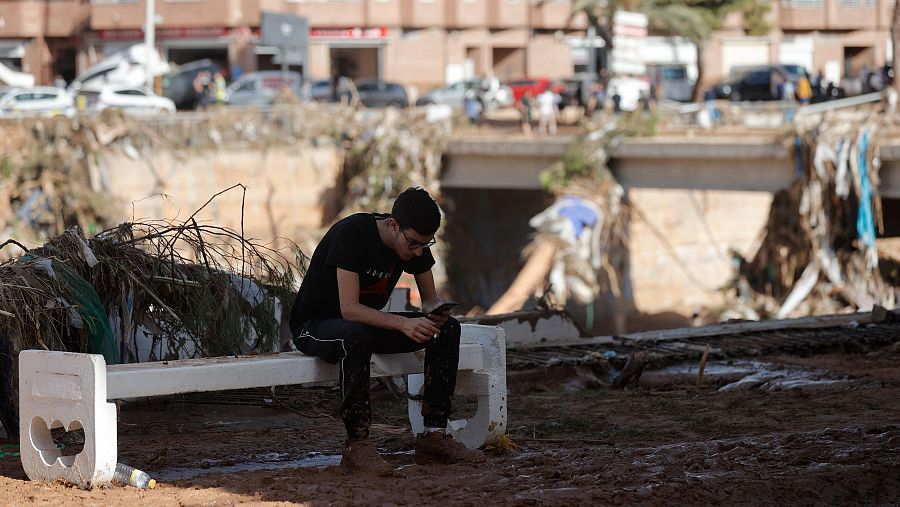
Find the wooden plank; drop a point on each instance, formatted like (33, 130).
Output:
(822, 321)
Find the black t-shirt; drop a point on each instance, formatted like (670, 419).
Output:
(352, 244)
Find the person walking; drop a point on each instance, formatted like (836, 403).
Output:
(547, 101)
(525, 112)
(336, 316)
(804, 90)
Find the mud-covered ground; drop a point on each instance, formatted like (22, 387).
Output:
(823, 430)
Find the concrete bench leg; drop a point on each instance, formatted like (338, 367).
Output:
(68, 390)
(489, 386)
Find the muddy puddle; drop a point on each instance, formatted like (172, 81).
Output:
(270, 461)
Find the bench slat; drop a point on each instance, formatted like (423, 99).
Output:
(239, 372)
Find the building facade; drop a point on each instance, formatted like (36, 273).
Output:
(42, 37)
(422, 43)
(838, 38)
(416, 42)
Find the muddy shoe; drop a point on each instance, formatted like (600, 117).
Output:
(439, 447)
(361, 456)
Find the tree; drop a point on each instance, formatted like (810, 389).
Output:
(600, 15)
(696, 20)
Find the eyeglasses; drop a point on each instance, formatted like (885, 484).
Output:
(413, 244)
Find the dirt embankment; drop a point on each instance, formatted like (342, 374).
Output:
(668, 442)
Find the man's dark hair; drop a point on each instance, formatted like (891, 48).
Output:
(416, 208)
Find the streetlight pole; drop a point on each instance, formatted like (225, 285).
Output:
(150, 41)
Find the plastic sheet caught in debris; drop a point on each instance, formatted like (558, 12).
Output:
(819, 254)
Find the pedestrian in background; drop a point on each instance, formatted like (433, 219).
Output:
(617, 101)
(473, 108)
(547, 102)
(804, 90)
(525, 114)
(220, 87)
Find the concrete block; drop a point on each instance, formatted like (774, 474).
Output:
(68, 390)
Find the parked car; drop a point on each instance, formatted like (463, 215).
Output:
(40, 100)
(261, 88)
(127, 67)
(382, 94)
(453, 95)
(520, 86)
(178, 85)
(494, 93)
(319, 90)
(755, 83)
(138, 100)
(672, 81)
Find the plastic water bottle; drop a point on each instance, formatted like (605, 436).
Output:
(137, 478)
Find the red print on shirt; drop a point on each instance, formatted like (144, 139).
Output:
(379, 288)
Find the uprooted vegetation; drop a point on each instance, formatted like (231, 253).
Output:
(144, 291)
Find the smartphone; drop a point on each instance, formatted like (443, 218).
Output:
(445, 307)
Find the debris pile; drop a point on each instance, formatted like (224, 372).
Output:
(56, 174)
(53, 176)
(818, 255)
(579, 248)
(140, 292)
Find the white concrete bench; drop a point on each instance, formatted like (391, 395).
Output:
(72, 390)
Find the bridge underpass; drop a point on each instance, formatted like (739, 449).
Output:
(700, 197)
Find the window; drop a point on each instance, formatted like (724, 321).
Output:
(138, 93)
(674, 73)
(758, 77)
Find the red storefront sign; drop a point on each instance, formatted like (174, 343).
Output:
(348, 33)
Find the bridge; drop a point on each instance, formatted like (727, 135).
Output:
(753, 162)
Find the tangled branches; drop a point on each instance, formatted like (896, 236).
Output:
(145, 291)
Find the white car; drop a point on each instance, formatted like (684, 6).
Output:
(37, 101)
(133, 100)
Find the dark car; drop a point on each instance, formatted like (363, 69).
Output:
(178, 85)
(755, 83)
(382, 94)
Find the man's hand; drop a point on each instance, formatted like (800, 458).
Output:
(438, 318)
(420, 329)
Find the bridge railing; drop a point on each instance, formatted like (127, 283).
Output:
(756, 115)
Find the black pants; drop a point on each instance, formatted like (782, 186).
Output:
(352, 344)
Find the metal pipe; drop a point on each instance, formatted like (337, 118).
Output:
(150, 40)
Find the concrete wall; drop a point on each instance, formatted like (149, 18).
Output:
(679, 254)
(289, 188)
